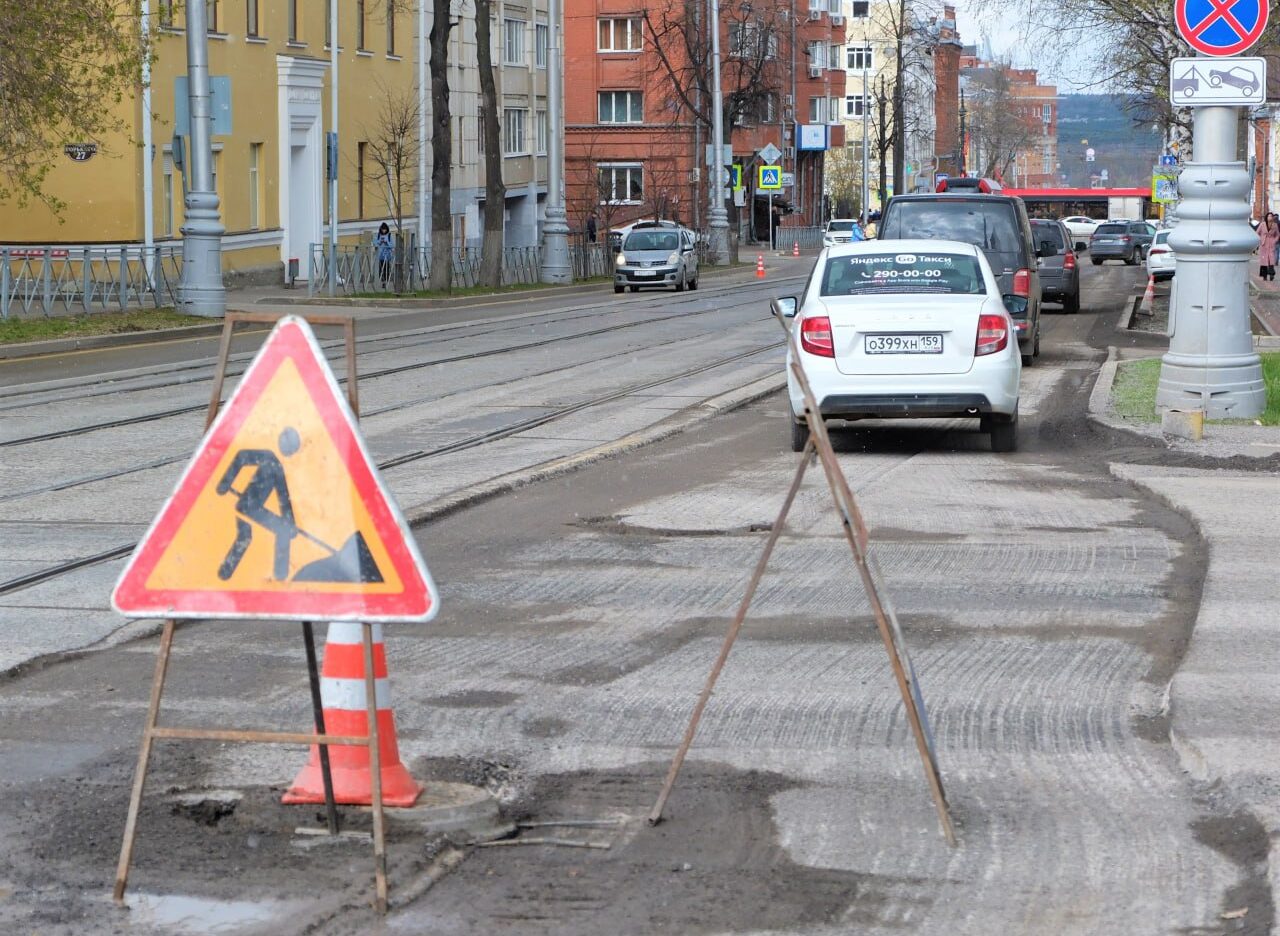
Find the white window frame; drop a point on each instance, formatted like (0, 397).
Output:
(855, 54)
(541, 44)
(513, 31)
(628, 168)
(816, 106)
(515, 140)
(166, 210)
(833, 56)
(632, 28)
(833, 110)
(255, 181)
(541, 132)
(856, 106)
(627, 97)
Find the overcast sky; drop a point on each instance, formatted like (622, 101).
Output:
(1009, 40)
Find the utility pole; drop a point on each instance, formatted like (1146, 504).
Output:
(202, 290)
(717, 217)
(555, 229)
(331, 158)
(424, 216)
(1211, 365)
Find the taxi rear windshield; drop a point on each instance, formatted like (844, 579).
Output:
(890, 273)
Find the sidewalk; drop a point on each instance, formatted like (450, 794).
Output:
(1265, 301)
(1224, 701)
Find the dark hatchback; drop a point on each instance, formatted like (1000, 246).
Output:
(999, 226)
(1059, 271)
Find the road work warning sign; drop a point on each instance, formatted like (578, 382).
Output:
(281, 513)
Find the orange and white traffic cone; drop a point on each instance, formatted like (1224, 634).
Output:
(795, 248)
(342, 694)
(1149, 297)
(759, 266)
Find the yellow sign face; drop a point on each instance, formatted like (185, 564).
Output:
(281, 513)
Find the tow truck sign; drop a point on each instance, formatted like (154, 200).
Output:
(1221, 81)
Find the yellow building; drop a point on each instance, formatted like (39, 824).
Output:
(269, 170)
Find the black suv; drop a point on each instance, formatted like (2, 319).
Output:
(997, 224)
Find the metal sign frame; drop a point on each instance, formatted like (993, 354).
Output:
(153, 730)
(855, 531)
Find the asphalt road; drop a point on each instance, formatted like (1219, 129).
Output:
(1046, 604)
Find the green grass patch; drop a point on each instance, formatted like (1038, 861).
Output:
(1133, 395)
(16, 330)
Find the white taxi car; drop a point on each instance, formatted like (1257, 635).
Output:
(890, 329)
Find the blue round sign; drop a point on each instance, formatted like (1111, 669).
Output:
(1220, 27)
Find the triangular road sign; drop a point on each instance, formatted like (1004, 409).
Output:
(281, 513)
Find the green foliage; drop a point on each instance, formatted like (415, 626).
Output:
(15, 330)
(1133, 395)
(65, 68)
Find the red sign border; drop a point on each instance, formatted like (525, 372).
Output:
(1247, 42)
(292, 339)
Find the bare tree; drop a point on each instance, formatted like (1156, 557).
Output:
(843, 173)
(392, 146)
(998, 131)
(495, 190)
(441, 150)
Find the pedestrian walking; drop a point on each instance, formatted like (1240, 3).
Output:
(385, 252)
(1268, 243)
(591, 228)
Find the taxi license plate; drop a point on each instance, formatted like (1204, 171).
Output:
(903, 344)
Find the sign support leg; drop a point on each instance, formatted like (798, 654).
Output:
(317, 709)
(655, 816)
(144, 757)
(375, 770)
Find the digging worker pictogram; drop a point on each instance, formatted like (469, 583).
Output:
(251, 505)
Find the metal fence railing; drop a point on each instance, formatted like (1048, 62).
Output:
(50, 280)
(359, 272)
(806, 237)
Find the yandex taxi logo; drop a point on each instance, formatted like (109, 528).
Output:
(281, 513)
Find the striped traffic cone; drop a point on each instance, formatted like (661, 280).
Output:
(1149, 297)
(342, 694)
(795, 248)
(759, 266)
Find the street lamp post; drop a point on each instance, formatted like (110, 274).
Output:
(202, 290)
(555, 229)
(963, 159)
(332, 159)
(718, 216)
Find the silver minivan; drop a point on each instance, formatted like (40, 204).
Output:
(657, 256)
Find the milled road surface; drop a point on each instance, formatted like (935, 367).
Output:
(1046, 605)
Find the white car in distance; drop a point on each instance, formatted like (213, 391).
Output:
(890, 329)
(1081, 229)
(1162, 262)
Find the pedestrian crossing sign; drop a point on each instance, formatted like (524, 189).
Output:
(770, 177)
(281, 513)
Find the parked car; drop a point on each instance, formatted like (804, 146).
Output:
(1162, 262)
(1059, 272)
(890, 329)
(841, 231)
(998, 225)
(654, 255)
(618, 235)
(1081, 229)
(1121, 240)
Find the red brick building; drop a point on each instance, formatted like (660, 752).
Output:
(637, 107)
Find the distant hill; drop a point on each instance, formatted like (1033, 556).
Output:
(1125, 149)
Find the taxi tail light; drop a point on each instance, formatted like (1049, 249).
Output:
(993, 335)
(815, 336)
(1022, 283)
(1069, 260)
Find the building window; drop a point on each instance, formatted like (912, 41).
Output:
(293, 20)
(621, 107)
(859, 57)
(214, 159)
(541, 42)
(362, 150)
(513, 42)
(212, 12)
(255, 183)
(833, 110)
(621, 184)
(513, 143)
(166, 13)
(543, 135)
(747, 40)
(816, 107)
(359, 24)
(391, 29)
(833, 55)
(328, 25)
(620, 35)
(857, 106)
(166, 211)
(251, 18)
(861, 8)
(767, 108)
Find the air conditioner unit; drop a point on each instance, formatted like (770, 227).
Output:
(815, 71)
(815, 15)
(837, 19)
(789, 152)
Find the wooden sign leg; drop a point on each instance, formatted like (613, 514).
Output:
(655, 816)
(317, 709)
(144, 756)
(375, 771)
